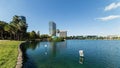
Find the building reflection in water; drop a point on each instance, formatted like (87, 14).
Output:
(55, 47)
(62, 45)
(81, 60)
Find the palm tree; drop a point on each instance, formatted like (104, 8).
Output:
(2, 24)
(14, 27)
(7, 29)
(15, 19)
(20, 27)
(10, 29)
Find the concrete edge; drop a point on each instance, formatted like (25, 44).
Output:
(19, 63)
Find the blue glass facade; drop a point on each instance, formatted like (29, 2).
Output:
(52, 28)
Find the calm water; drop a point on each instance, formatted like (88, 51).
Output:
(98, 54)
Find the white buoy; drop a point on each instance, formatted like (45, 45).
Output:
(46, 45)
(81, 53)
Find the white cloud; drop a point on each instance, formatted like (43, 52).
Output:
(112, 6)
(111, 17)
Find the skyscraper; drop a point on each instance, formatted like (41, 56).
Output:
(52, 28)
(22, 18)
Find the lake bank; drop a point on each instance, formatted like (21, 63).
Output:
(20, 57)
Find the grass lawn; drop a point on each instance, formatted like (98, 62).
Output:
(8, 53)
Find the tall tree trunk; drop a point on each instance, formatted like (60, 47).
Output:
(10, 36)
(2, 35)
(14, 36)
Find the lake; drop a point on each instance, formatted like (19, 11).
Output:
(97, 54)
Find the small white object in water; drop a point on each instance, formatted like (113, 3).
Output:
(45, 53)
(45, 45)
(81, 53)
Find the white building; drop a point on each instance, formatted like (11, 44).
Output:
(63, 34)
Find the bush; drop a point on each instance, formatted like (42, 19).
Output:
(57, 39)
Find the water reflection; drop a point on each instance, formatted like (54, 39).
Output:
(27, 61)
(34, 45)
(46, 49)
(62, 45)
(29, 45)
(81, 60)
(101, 54)
(55, 47)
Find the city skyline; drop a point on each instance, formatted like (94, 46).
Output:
(78, 17)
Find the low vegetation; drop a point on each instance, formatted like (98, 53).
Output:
(8, 53)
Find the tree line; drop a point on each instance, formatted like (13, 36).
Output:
(16, 30)
(94, 37)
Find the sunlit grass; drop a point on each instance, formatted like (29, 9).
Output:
(8, 53)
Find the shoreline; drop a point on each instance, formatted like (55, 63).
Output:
(19, 63)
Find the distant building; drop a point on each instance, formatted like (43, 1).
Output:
(52, 28)
(57, 32)
(63, 34)
(110, 37)
(23, 18)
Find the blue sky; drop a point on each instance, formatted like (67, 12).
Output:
(78, 17)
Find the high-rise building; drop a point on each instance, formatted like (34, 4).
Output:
(63, 34)
(22, 18)
(52, 28)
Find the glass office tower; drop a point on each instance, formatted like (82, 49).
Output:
(52, 28)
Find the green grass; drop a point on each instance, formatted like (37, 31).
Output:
(8, 53)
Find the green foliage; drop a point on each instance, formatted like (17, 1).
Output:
(57, 39)
(38, 34)
(16, 29)
(2, 25)
(7, 28)
(32, 35)
(44, 36)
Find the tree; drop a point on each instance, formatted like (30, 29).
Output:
(44, 36)
(2, 25)
(15, 29)
(32, 35)
(38, 34)
(7, 28)
(20, 26)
